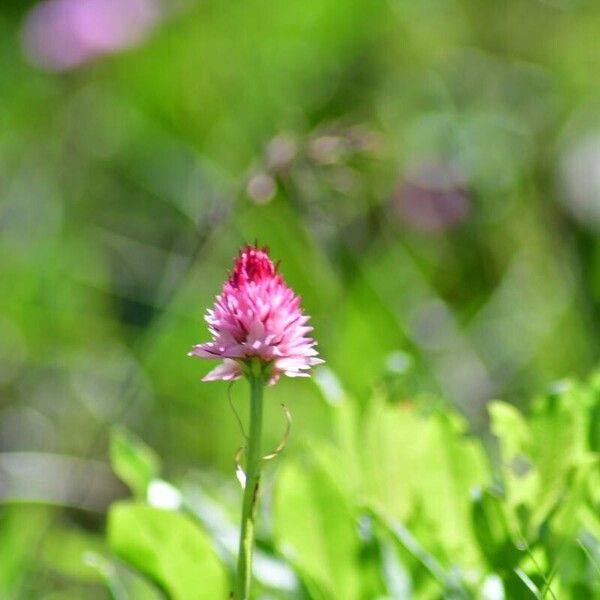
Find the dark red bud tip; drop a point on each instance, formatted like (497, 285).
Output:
(253, 264)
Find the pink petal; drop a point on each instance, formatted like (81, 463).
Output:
(204, 351)
(228, 370)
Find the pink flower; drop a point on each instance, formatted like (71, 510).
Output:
(257, 315)
(63, 34)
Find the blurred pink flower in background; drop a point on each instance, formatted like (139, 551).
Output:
(432, 196)
(257, 315)
(63, 34)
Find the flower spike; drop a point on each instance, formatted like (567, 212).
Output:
(257, 316)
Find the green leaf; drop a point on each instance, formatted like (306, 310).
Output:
(410, 465)
(521, 480)
(316, 530)
(170, 549)
(541, 455)
(133, 461)
(559, 428)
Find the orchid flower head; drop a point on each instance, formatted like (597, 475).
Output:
(257, 319)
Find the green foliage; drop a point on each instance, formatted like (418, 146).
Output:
(543, 457)
(424, 514)
(418, 461)
(400, 502)
(315, 529)
(133, 461)
(21, 529)
(432, 193)
(169, 548)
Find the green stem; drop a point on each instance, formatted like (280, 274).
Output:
(251, 490)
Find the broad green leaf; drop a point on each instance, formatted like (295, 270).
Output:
(170, 549)
(315, 529)
(453, 466)
(414, 461)
(133, 461)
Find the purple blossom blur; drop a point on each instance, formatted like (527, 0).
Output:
(432, 196)
(62, 34)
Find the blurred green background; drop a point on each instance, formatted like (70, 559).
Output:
(427, 172)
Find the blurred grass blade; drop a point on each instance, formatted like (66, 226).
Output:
(407, 541)
(590, 556)
(529, 583)
(106, 571)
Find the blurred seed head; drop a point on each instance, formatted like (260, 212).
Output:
(281, 152)
(62, 34)
(432, 196)
(261, 188)
(364, 139)
(328, 149)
